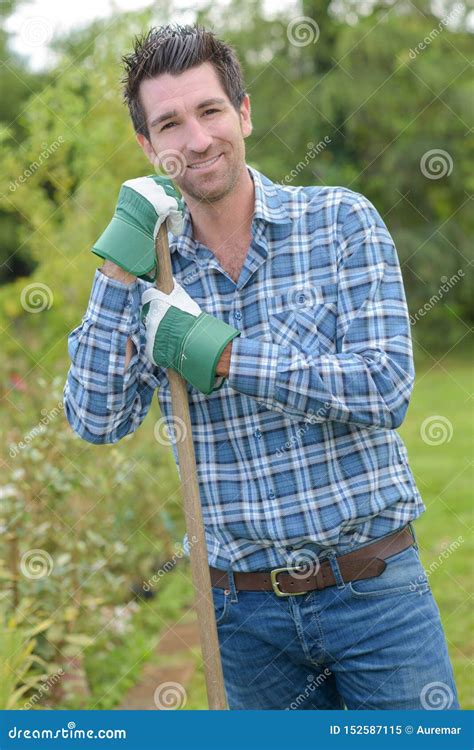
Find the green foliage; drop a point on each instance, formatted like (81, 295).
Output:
(18, 664)
(80, 524)
(113, 663)
(17, 85)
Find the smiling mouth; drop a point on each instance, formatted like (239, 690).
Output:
(204, 164)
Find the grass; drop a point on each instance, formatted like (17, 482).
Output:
(443, 473)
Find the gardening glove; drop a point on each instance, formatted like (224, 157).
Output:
(144, 203)
(181, 336)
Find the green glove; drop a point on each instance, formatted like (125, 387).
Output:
(143, 205)
(180, 336)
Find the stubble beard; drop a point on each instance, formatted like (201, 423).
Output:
(220, 191)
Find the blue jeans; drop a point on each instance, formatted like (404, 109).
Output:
(376, 643)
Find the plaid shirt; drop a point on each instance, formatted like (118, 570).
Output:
(298, 450)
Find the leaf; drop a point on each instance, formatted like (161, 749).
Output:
(79, 639)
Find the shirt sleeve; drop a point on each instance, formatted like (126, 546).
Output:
(369, 379)
(103, 402)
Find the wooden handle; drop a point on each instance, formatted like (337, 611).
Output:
(192, 508)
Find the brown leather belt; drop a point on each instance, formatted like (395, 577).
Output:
(364, 562)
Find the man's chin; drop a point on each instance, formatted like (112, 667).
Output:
(208, 188)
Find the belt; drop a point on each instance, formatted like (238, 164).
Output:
(365, 562)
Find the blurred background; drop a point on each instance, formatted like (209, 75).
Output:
(95, 601)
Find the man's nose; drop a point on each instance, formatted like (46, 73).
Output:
(197, 139)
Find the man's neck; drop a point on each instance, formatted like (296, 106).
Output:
(227, 221)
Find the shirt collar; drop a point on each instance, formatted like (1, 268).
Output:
(268, 200)
(269, 207)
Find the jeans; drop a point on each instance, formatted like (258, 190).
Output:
(376, 643)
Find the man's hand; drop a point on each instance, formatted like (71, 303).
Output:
(129, 240)
(182, 337)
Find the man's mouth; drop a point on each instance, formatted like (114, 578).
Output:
(204, 164)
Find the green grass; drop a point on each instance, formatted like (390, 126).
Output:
(443, 473)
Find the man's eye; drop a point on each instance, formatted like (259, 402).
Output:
(208, 111)
(168, 125)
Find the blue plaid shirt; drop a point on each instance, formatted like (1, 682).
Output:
(298, 450)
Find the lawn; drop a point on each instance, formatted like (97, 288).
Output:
(438, 435)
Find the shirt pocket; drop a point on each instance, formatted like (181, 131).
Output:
(304, 317)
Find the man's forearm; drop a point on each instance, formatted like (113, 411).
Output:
(223, 365)
(113, 271)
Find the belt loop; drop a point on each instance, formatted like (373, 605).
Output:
(233, 591)
(412, 530)
(331, 556)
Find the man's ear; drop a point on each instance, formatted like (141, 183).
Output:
(245, 118)
(146, 147)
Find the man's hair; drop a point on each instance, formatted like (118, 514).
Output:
(174, 49)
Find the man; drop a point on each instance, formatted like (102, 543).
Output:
(289, 322)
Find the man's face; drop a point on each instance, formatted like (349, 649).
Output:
(195, 131)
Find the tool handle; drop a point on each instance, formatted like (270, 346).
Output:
(204, 603)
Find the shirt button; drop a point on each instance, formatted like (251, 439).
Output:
(271, 495)
(258, 434)
(301, 298)
(237, 315)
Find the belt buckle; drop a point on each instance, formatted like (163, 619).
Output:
(274, 581)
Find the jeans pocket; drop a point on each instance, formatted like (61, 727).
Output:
(404, 574)
(221, 599)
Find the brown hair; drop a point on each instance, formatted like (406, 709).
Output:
(174, 49)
